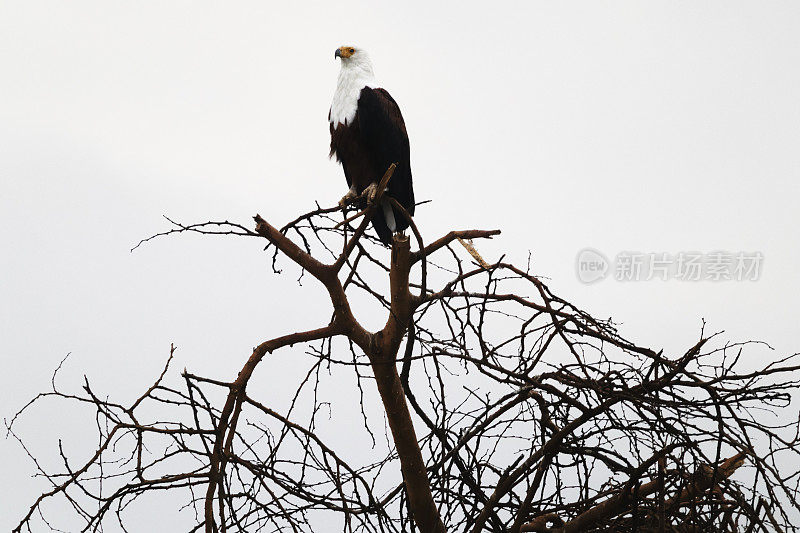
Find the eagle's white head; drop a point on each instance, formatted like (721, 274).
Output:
(353, 58)
(355, 74)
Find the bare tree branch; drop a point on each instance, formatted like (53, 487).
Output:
(513, 410)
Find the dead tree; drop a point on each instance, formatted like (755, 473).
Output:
(508, 409)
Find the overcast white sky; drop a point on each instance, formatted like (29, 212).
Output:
(645, 126)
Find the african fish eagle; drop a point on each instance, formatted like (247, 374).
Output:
(368, 135)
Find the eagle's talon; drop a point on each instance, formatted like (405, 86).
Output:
(347, 198)
(371, 192)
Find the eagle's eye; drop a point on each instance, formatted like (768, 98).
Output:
(352, 50)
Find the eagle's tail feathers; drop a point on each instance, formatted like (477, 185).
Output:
(381, 227)
(388, 215)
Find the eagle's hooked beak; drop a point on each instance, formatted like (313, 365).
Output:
(337, 53)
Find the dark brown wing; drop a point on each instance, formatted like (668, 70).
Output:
(383, 132)
(349, 148)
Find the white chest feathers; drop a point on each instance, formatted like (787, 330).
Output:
(354, 76)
